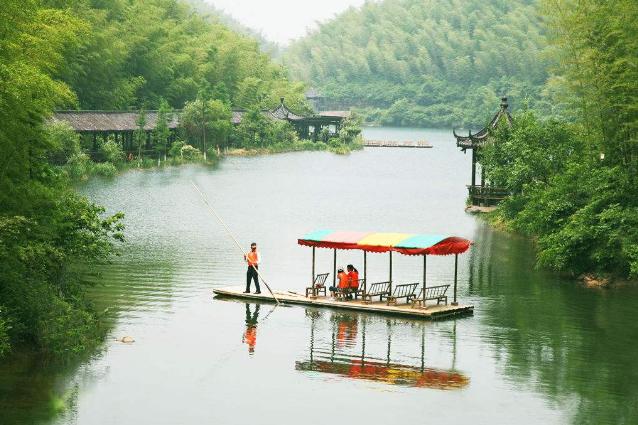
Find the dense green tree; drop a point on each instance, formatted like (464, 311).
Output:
(434, 62)
(207, 121)
(138, 52)
(162, 133)
(45, 227)
(139, 135)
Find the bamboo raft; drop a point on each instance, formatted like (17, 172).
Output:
(395, 144)
(430, 312)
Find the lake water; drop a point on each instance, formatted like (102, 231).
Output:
(538, 349)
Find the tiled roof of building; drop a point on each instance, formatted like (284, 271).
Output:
(95, 121)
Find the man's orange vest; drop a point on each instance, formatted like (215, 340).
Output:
(252, 258)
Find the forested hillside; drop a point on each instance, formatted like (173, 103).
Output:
(132, 53)
(426, 63)
(93, 54)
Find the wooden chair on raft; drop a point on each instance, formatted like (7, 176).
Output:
(378, 289)
(431, 293)
(405, 290)
(319, 285)
(345, 294)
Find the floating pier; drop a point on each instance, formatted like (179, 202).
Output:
(396, 144)
(431, 312)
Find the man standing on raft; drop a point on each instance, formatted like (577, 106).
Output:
(253, 259)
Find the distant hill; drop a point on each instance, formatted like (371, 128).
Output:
(207, 9)
(427, 63)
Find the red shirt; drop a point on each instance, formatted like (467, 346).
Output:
(354, 279)
(343, 280)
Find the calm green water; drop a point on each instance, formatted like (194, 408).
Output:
(537, 350)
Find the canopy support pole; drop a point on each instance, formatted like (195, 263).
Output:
(390, 272)
(365, 277)
(314, 290)
(334, 267)
(456, 268)
(425, 259)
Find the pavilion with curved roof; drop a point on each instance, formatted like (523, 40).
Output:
(483, 194)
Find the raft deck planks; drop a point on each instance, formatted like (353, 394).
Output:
(432, 312)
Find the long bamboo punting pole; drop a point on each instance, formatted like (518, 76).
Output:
(211, 209)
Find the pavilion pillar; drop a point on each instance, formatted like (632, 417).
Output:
(456, 268)
(482, 176)
(425, 263)
(473, 168)
(483, 186)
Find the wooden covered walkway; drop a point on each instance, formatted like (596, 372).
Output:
(119, 124)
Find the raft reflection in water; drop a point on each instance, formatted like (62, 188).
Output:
(344, 329)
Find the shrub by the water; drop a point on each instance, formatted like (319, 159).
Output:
(79, 166)
(112, 152)
(104, 169)
(175, 150)
(189, 152)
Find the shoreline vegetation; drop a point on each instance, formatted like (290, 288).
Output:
(573, 180)
(117, 55)
(73, 157)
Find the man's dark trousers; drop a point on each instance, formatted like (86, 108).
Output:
(252, 274)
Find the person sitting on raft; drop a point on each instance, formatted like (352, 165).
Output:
(353, 277)
(343, 281)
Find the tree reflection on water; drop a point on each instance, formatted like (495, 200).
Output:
(567, 342)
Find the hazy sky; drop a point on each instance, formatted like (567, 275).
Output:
(283, 20)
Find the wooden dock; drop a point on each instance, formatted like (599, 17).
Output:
(396, 144)
(431, 312)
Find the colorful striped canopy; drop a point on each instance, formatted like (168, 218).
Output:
(404, 243)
